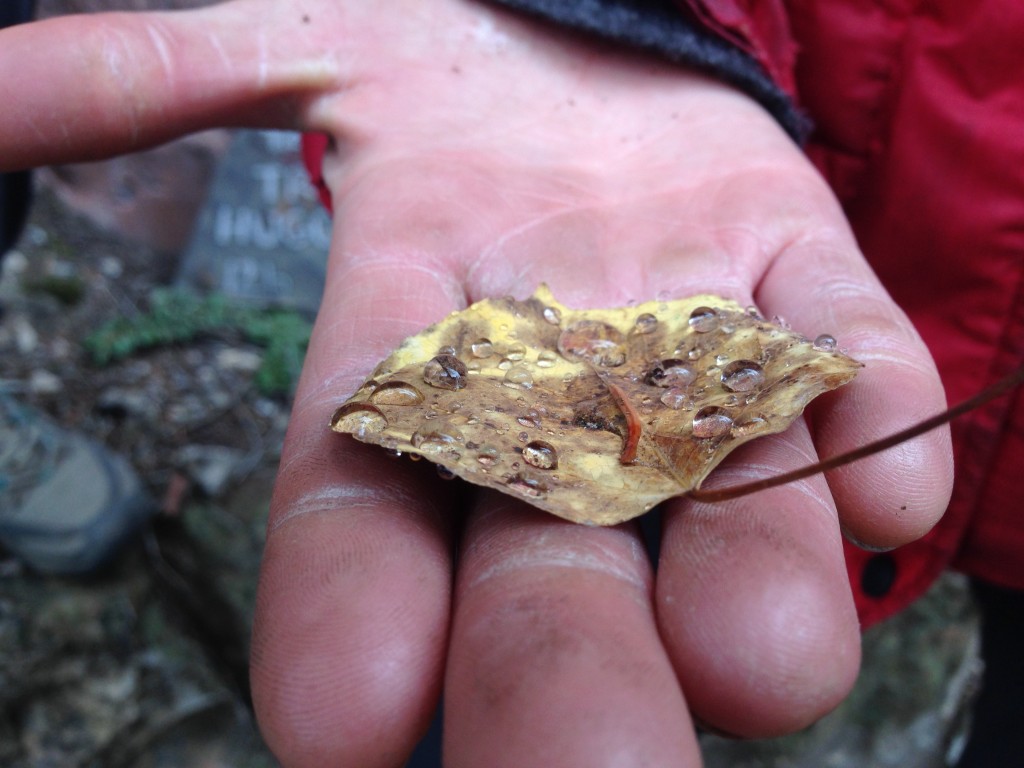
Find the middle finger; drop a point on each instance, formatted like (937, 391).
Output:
(555, 658)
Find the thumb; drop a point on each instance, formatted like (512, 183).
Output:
(85, 87)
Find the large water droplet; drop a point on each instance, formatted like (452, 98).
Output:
(826, 343)
(527, 486)
(540, 454)
(552, 315)
(445, 372)
(645, 323)
(437, 437)
(742, 376)
(671, 373)
(595, 342)
(482, 348)
(359, 419)
(711, 421)
(396, 392)
(677, 400)
(703, 319)
(444, 473)
(518, 377)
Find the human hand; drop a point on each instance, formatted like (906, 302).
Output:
(478, 154)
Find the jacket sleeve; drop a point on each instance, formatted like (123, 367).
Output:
(743, 42)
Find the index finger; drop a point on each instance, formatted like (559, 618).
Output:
(353, 607)
(96, 85)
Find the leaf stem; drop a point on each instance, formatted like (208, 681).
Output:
(997, 390)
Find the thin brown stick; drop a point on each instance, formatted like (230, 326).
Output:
(634, 427)
(998, 389)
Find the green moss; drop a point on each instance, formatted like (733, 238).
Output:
(67, 290)
(176, 316)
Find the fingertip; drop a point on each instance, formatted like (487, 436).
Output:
(349, 637)
(896, 496)
(758, 619)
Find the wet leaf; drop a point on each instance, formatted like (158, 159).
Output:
(592, 415)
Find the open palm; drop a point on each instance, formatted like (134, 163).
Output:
(476, 154)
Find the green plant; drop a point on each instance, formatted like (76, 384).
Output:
(177, 316)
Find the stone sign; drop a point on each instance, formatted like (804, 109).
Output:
(262, 235)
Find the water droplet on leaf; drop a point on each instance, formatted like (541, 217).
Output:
(703, 319)
(546, 359)
(596, 342)
(711, 421)
(742, 376)
(552, 315)
(360, 419)
(677, 400)
(671, 373)
(645, 323)
(530, 419)
(440, 436)
(445, 372)
(749, 426)
(396, 392)
(826, 343)
(482, 348)
(488, 456)
(540, 454)
(527, 486)
(518, 377)
(516, 352)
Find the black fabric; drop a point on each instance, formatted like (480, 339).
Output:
(659, 26)
(15, 188)
(997, 738)
(15, 11)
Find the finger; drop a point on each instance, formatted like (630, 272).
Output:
(555, 659)
(352, 615)
(753, 599)
(823, 285)
(95, 85)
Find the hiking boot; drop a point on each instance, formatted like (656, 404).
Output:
(67, 503)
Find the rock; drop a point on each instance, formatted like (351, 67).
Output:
(119, 402)
(42, 382)
(211, 467)
(241, 360)
(26, 338)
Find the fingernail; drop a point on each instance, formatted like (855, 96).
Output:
(862, 545)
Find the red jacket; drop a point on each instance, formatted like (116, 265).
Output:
(918, 109)
(919, 115)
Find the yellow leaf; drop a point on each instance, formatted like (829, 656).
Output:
(593, 415)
